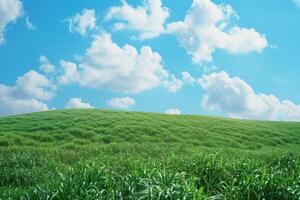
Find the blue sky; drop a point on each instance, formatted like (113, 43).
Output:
(240, 58)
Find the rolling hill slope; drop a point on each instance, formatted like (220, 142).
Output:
(97, 154)
(103, 127)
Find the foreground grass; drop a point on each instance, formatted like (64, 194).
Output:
(92, 154)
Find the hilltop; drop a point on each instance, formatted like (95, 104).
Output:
(103, 127)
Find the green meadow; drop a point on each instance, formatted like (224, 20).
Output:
(97, 154)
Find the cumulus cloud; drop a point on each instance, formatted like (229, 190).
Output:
(173, 84)
(33, 84)
(297, 3)
(70, 72)
(234, 96)
(121, 103)
(10, 11)
(206, 27)
(82, 23)
(27, 95)
(77, 103)
(122, 69)
(188, 78)
(45, 65)
(148, 19)
(173, 111)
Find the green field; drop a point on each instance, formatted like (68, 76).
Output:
(96, 154)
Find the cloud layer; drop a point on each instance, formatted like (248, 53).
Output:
(121, 69)
(173, 111)
(234, 96)
(77, 103)
(45, 65)
(10, 11)
(206, 27)
(106, 65)
(148, 19)
(70, 73)
(27, 95)
(82, 23)
(121, 103)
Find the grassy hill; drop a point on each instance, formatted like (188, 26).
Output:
(96, 154)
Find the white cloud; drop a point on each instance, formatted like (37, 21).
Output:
(206, 28)
(208, 68)
(29, 25)
(13, 106)
(27, 95)
(173, 84)
(10, 11)
(82, 23)
(297, 2)
(148, 19)
(236, 97)
(122, 69)
(121, 103)
(33, 85)
(45, 65)
(132, 72)
(188, 78)
(70, 72)
(77, 103)
(173, 111)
